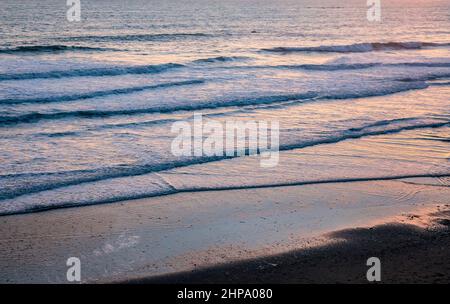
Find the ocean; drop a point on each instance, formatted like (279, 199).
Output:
(86, 108)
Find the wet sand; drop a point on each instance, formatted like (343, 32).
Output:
(409, 253)
(283, 234)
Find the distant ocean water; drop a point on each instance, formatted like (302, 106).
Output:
(86, 107)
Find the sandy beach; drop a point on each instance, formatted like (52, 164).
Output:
(409, 252)
(287, 234)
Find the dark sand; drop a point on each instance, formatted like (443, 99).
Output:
(409, 253)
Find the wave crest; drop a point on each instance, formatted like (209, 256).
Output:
(359, 47)
(106, 71)
(51, 49)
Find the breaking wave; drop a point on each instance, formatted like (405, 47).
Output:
(301, 97)
(100, 180)
(51, 49)
(106, 71)
(359, 47)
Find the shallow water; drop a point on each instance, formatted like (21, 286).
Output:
(86, 108)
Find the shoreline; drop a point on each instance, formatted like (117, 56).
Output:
(246, 187)
(194, 236)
